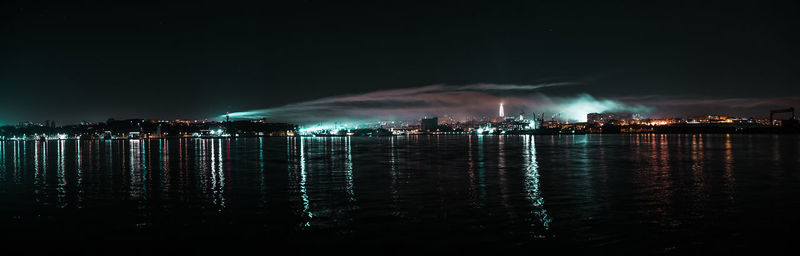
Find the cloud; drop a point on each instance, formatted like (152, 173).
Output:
(460, 102)
(466, 102)
(576, 108)
(669, 106)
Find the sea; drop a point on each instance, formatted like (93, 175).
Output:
(419, 194)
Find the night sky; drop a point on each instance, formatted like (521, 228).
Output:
(91, 60)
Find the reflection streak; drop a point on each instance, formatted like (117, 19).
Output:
(219, 176)
(730, 182)
(134, 170)
(303, 192)
(471, 172)
(698, 169)
(62, 181)
(501, 171)
(481, 172)
(532, 189)
(349, 170)
(79, 166)
(393, 165)
(262, 178)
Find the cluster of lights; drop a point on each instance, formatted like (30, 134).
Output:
(482, 130)
(323, 128)
(59, 136)
(217, 132)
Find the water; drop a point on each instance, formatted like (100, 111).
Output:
(649, 194)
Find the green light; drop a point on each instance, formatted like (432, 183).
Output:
(577, 108)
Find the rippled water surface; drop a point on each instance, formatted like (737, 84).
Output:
(615, 193)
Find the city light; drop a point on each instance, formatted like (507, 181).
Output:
(625, 120)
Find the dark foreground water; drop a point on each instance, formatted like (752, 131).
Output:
(602, 193)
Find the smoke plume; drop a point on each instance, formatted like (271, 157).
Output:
(458, 102)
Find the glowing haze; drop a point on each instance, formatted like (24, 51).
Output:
(463, 102)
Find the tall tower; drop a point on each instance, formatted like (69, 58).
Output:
(502, 114)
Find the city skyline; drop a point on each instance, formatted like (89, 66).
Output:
(473, 102)
(399, 127)
(201, 59)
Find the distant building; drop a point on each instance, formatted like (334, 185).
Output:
(596, 118)
(602, 118)
(429, 124)
(719, 119)
(502, 113)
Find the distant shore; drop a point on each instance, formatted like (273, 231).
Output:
(398, 135)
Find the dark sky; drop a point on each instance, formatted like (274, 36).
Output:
(91, 60)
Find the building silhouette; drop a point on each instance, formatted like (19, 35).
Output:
(429, 124)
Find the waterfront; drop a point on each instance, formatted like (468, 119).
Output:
(639, 193)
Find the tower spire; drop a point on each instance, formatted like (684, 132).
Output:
(502, 114)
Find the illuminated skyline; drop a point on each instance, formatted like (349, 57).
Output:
(70, 62)
(432, 127)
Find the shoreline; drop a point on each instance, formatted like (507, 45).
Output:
(412, 135)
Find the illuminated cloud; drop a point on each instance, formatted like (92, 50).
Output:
(482, 101)
(459, 102)
(576, 108)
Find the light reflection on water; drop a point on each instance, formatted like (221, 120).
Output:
(655, 191)
(532, 190)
